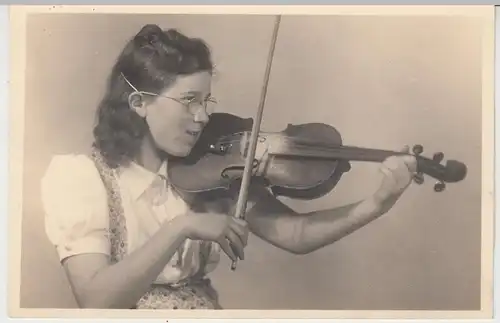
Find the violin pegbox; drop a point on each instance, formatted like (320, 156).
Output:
(452, 171)
(440, 185)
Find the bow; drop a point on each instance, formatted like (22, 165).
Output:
(241, 204)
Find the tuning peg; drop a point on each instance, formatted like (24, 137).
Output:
(419, 178)
(438, 157)
(439, 187)
(418, 149)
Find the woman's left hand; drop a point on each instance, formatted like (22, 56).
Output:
(398, 173)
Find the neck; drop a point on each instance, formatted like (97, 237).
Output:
(149, 157)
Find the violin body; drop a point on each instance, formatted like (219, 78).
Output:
(218, 160)
(304, 161)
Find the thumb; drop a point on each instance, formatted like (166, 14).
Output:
(226, 247)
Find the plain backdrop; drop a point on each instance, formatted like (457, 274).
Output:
(383, 82)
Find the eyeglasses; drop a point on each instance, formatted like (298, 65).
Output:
(193, 105)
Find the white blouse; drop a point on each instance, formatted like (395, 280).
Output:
(76, 212)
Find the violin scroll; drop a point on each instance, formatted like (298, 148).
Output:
(451, 172)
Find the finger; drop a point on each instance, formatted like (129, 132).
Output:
(410, 160)
(241, 222)
(244, 238)
(401, 165)
(395, 170)
(411, 163)
(238, 225)
(388, 173)
(405, 149)
(241, 232)
(239, 253)
(236, 236)
(224, 244)
(392, 163)
(236, 243)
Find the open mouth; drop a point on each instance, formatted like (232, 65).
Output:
(193, 133)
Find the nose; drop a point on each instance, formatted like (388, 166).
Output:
(201, 115)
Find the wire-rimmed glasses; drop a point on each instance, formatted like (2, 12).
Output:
(193, 104)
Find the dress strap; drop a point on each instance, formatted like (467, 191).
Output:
(117, 223)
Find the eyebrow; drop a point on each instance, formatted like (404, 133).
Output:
(196, 93)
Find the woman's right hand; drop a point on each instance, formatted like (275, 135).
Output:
(226, 230)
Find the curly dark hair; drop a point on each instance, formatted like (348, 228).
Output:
(150, 61)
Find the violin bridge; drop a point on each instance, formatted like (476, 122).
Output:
(261, 152)
(261, 149)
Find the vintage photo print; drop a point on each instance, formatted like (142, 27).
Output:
(251, 162)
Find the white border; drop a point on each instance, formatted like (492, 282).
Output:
(16, 128)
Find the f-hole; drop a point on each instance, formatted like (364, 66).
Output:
(236, 171)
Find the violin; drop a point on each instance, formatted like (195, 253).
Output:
(303, 161)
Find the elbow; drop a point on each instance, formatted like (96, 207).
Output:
(298, 250)
(302, 248)
(297, 244)
(89, 297)
(86, 302)
(99, 300)
(99, 303)
(90, 301)
(304, 241)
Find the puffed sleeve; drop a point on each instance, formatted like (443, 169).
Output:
(75, 206)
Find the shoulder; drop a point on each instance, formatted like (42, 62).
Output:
(74, 202)
(70, 174)
(67, 168)
(79, 162)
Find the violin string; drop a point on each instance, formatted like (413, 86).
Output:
(340, 154)
(302, 143)
(312, 149)
(326, 148)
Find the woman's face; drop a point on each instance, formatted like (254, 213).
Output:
(177, 116)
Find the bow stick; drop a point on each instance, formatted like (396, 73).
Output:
(243, 194)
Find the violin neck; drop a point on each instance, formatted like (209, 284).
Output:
(341, 152)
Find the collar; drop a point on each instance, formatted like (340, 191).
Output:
(138, 179)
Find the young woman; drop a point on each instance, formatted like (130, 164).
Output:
(125, 238)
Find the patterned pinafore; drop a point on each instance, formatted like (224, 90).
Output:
(196, 293)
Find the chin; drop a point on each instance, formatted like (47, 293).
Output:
(180, 151)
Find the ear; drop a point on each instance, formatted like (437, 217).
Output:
(136, 102)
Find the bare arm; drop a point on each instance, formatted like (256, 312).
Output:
(97, 284)
(302, 233)
(281, 226)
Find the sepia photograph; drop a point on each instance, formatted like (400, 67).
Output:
(251, 161)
